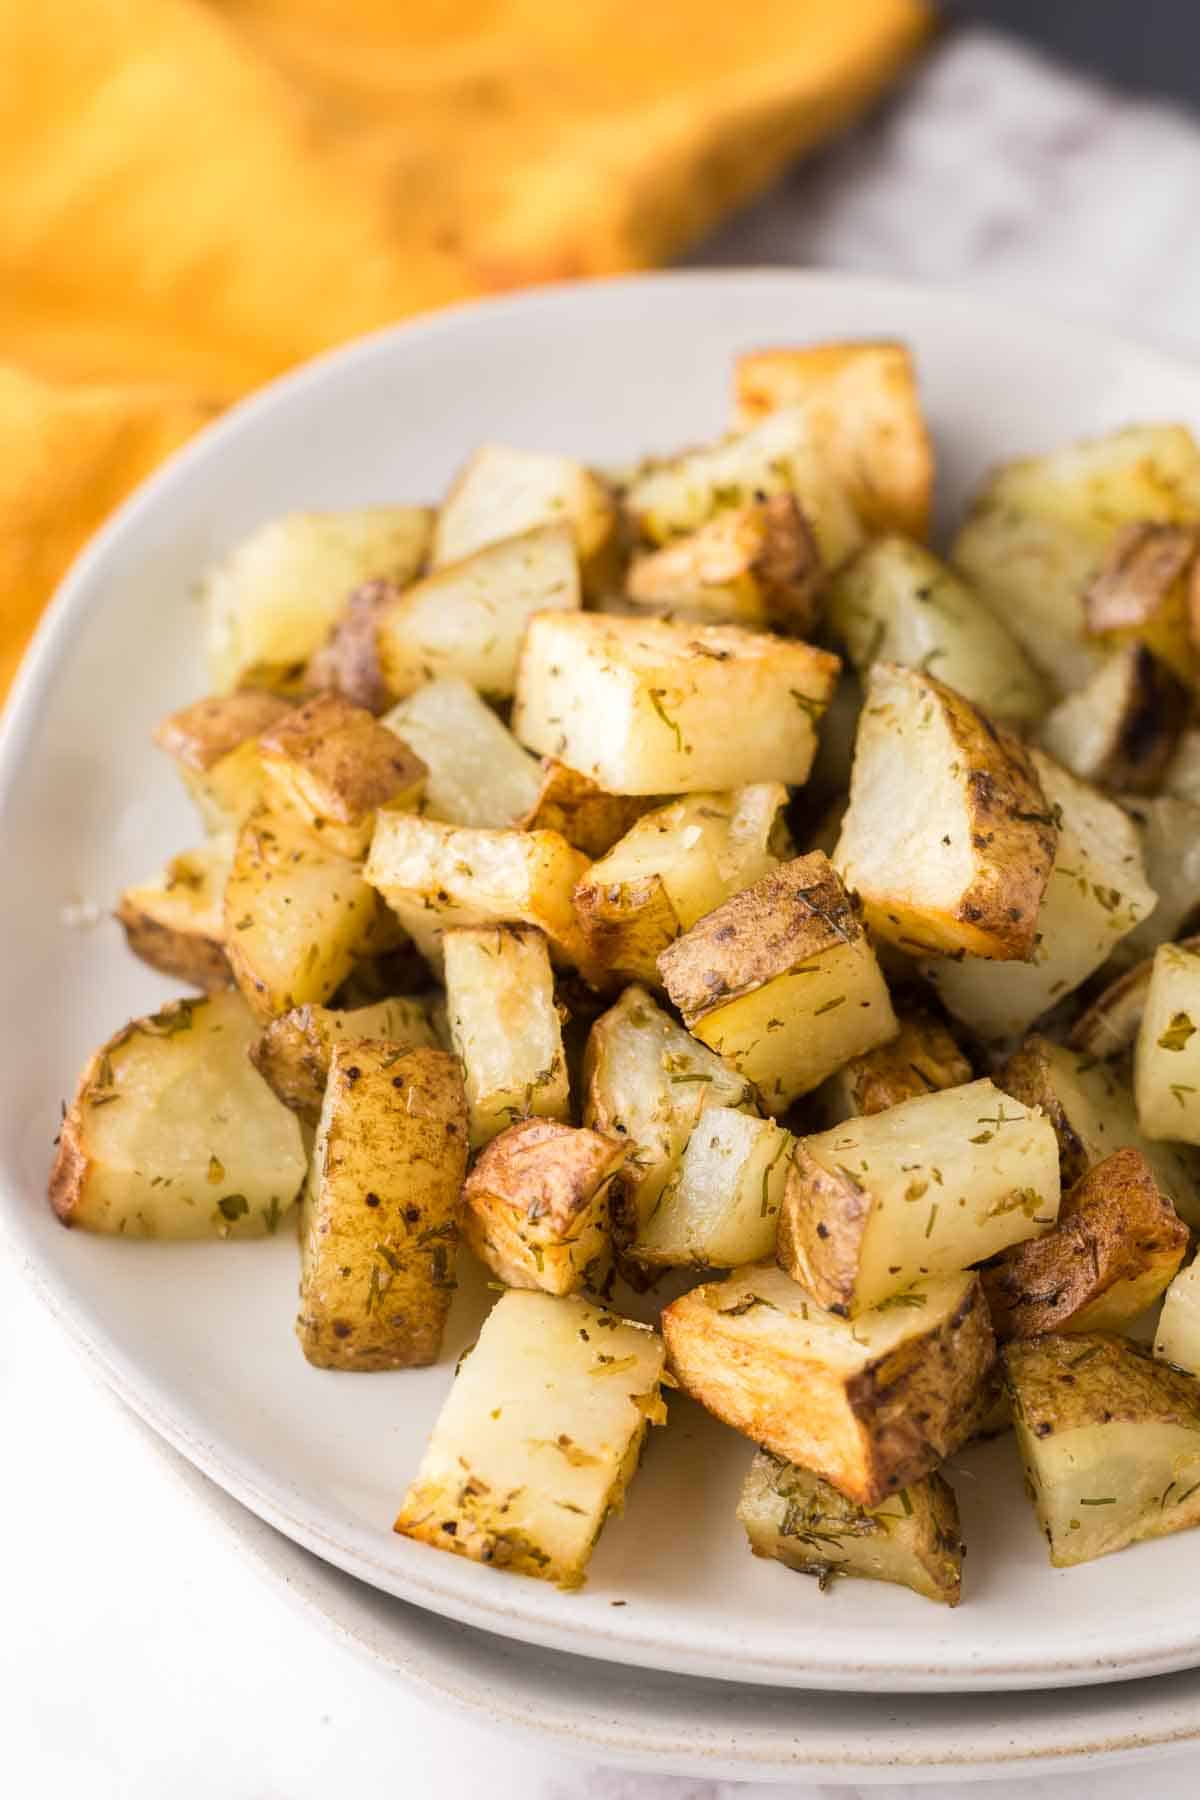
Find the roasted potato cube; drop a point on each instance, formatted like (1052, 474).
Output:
(334, 766)
(781, 981)
(501, 492)
(581, 811)
(1168, 831)
(1166, 1062)
(172, 1134)
(436, 876)
(539, 1437)
(1110, 1440)
(948, 839)
(273, 599)
(922, 1058)
(795, 1518)
(177, 923)
(476, 772)
(865, 417)
(538, 1205)
(1092, 1111)
(505, 1027)
(1177, 1340)
(1096, 894)
(379, 1223)
(758, 565)
(294, 1052)
(872, 1406)
(1033, 571)
(721, 1206)
(777, 456)
(1109, 1025)
(642, 706)
(673, 866)
(296, 915)
(1117, 1244)
(1146, 584)
(897, 602)
(1121, 728)
(928, 1187)
(649, 1083)
(214, 745)
(347, 663)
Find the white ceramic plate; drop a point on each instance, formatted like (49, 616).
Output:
(198, 1338)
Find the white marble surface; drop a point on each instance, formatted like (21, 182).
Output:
(140, 1657)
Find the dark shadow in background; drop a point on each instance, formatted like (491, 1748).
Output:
(1147, 46)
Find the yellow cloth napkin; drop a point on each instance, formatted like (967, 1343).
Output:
(195, 194)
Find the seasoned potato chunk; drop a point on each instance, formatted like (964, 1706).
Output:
(177, 923)
(928, 1187)
(756, 565)
(380, 1219)
(505, 1027)
(1096, 894)
(294, 1052)
(1116, 1246)
(1109, 1025)
(1121, 728)
(897, 602)
(476, 772)
(922, 1058)
(673, 866)
(1110, 1440)
(795, 1518)
(270, 604)
(581, 811)
(538, 1205)
(721, 1206)
(539, 1437)
(781, 981)
(1166, 1063)
(649, 1083)
(642, 706)
(1177, 1340)
(501, 492)
(871, 1405)
(1168, 831)
(954, 855)
(214, 745)
(172, 1134)
(334, 766)
(864, 413)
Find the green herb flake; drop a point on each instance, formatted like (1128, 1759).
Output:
(656, 701)
(1176, 1036)
(233, 1206)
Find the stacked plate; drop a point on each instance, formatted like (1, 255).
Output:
(700, 1657)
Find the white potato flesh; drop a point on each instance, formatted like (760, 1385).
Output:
(501, 492)
(539, 1436)
(1166, 1063)
(274, 599)
(1169, 838)
(505, 1028)
(478, 774)
(1182, 777)
(1033, 573)
(1177, 1339)
(1113, 1479)
(721, 1207)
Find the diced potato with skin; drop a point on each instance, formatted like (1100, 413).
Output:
(538, 1205)
(865, 415)
(1166, 1061)
(1091, 1108)
(505, 1027)
(476, 772)
(871, 1406)
(948, 838)
(380, 1219)
(643, 706)
(177, 923)
(897, 602)
(1032, 572)
(501, 492)
(1177, 1340)
(756, 565)
(539, 1438)
(347, 662)
(293, 1054)
(582, 811)
(334, 766)
(673, 866)
(435, 877)
(214, 745)
(296, 915)
(648, 1082)
(1096, 894)
(793, 1517)
(782, 981)
(777, 456)
(922, 1058)
(1110, 1024)
(927, 1187)
(1120, 729)
(273, 599)
(721, 1206)
(172, 1134)
(1110, 1440)
(1116, 1246)
(1169, 839)
(1145, 584)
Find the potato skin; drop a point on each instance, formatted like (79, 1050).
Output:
(337, 766)
(921, 1059)
(195, 958)
(348, 662)
(765, 550)
(583, 812)
(293, 1053)
(538, 1204)
(200, 735)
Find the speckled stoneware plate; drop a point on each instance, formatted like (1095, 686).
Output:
(198, 1338)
